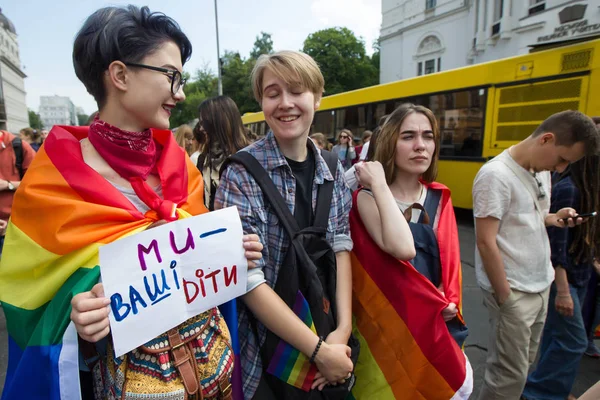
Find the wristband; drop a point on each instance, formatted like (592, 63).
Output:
(314, 354)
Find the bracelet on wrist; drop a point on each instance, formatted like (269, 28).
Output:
(314, 354)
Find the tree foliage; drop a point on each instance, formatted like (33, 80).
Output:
(342, 59)
(236, 81)
(82, 119)
(262, 45)
(202, 86)
(338, 52)
(35, 121)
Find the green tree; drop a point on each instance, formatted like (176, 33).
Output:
(207, 81)
(262, 45)
(236, 81)
(375, 57)
(35, 121)
(82, 119)
(342, 59)
(197, 89)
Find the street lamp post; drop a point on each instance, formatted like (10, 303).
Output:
(220, 79)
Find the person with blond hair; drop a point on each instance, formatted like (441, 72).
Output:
(289, 85)
(320, 140)
(184, 136)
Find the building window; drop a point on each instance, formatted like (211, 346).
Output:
(439, 64)
(419, 68)
(498, 6)
(536, 6)
(430, 4)
(429, 67)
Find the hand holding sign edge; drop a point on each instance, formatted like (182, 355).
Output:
(89, 313)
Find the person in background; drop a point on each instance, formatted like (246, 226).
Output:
(184, 136)
(12, 150)
(564, 339)
(591, 312)
(221, 123)
(43, 134)
(319, 140)
(350, 175)
(200, 141)
(364, 147)
(344, 148)
(252, 136)
(511, 205)
(31, 136)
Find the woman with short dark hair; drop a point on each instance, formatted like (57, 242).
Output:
(90, 186)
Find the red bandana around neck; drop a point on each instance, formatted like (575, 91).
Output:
(130, 154)
(133, 155)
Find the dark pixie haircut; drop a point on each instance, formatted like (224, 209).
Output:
(126, 34)
(570, 127)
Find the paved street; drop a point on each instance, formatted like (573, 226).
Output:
(474, 311)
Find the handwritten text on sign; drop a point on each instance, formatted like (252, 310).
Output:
(161, 277)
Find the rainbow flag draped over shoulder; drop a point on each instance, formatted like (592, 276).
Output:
(62, 213)
(406, 349)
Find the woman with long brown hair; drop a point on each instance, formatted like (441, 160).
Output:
(403, 213)
(224, 132)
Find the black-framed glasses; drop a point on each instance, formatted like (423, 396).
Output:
(177, 81)
(540, 187)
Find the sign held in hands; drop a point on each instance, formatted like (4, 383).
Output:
(159, 278)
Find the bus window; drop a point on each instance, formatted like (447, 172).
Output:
(324, 123)
(460, 118)
(352, 118)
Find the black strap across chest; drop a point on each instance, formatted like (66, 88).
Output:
(272, 194)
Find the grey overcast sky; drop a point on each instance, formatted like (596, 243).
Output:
(46, 30)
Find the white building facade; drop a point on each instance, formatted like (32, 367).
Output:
(425, 36)
(13, 108)
(57, 110)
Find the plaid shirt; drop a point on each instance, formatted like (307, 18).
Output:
(238, 188)
(566, 194)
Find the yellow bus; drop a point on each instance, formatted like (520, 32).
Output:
(481, 109)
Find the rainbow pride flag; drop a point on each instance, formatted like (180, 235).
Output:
(406, 349)
(62, 213)
(289, 364)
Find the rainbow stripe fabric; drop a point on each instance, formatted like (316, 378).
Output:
(62, 213)
(289, 364)
(406, 349)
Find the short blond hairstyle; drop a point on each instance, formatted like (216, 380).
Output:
(292, 67)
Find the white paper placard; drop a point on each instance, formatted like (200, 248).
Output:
(163, 276)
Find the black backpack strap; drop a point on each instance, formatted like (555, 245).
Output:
(325, 193)
(17, 145)
(432, 202)
(268, 188)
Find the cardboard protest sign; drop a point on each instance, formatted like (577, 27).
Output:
(163, 276)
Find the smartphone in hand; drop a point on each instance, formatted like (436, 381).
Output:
(587, 215)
